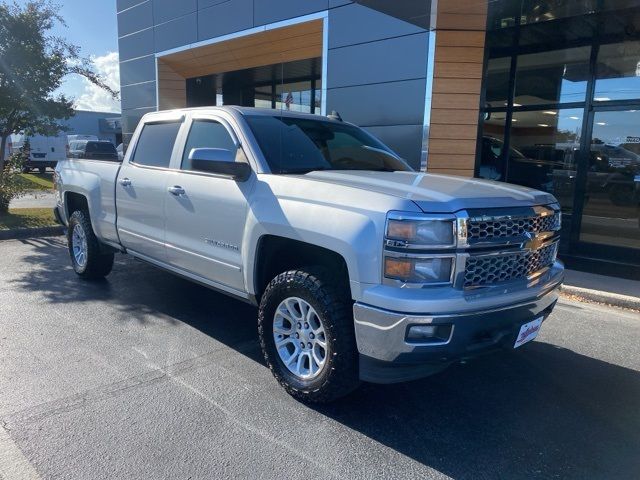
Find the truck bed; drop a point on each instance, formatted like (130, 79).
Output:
(95, 180)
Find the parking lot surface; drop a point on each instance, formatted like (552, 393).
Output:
(145, 375)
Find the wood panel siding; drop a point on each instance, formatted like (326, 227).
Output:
(172, 88)
(461, 172)
(448, 116)
(286, 44)
(455, 103)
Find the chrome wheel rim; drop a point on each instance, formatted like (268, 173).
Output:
(79, 246)
(300, 338)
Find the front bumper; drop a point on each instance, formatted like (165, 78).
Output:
(386, 356)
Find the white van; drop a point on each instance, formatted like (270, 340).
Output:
(44, 151)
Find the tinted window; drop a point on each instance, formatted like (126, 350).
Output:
(156, 144)
(101, 147)
(299, 145)
(206, 134)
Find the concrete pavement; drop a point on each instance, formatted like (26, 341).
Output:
(145, 375)
(35, 199)
(619, 292)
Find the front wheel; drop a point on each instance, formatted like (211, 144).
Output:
(306, 332)
(87, 259)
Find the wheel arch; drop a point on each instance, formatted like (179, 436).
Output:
(276, 254)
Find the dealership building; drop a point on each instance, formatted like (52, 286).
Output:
(542, 93)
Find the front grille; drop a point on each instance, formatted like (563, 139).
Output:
(483, 229)
(483, 270)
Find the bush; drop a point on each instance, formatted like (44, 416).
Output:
(11, 185)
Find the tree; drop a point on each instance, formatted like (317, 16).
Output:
(33, 64)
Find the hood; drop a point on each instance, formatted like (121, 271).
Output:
(436, 193)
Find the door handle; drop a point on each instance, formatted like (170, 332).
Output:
(125, 182)
(176, 190)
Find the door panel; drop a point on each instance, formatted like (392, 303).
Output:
(205, 226)
(141, 210)
(141, 191)
(206, 214)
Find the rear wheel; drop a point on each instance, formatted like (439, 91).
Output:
(25, 169)
(87, 259)
(42, 169)
(306, 332)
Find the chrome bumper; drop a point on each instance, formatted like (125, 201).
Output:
(381, 333)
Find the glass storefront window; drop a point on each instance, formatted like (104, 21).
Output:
(611, 214)
(503, 15)
(618, 72)
(492, 148)
(557, 76)
(534, 11)
(263, 97)
(497, 81)
(545, 146)
(295, 97)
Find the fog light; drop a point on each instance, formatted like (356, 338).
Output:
(429, 333)
(420, 332)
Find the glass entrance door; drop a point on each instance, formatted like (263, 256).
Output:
(611, 209)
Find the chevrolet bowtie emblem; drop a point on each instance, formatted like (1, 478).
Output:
(532, 242)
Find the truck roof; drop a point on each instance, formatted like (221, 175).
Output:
(268, 112)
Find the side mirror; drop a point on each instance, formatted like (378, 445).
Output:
(220, 161)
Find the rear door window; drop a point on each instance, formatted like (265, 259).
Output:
(155, 144)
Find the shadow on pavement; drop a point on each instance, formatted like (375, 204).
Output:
(543, 412)
(140, 292)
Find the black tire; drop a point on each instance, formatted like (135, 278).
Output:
(42, 169)
(98, 264)
(339, 375)
(25, 169)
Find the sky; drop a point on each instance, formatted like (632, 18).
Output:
(91, 25)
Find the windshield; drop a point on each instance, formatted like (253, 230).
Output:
(300, 145)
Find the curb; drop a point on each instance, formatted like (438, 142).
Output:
(31, 232)
(597, 296)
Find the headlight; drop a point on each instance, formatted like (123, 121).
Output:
(420, 231)
(429, 270)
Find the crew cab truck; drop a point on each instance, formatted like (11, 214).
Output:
(362, 269)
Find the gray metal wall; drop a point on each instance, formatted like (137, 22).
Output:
(88, 123)
(376, 63)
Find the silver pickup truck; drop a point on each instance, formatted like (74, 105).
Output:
(362, 269)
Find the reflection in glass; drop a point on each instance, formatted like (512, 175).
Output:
(492, 165)
(546, 145)
(502, 15)
(295, 97)
(558, 76)
(497, 81)
(534, 11)
(263, 96)
(611, 213)
(618, 72)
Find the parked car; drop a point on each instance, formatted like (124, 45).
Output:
(93, 149)
(44, 152)
(362, 269)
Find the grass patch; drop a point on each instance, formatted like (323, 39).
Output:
(37, 181)
(27, 218)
